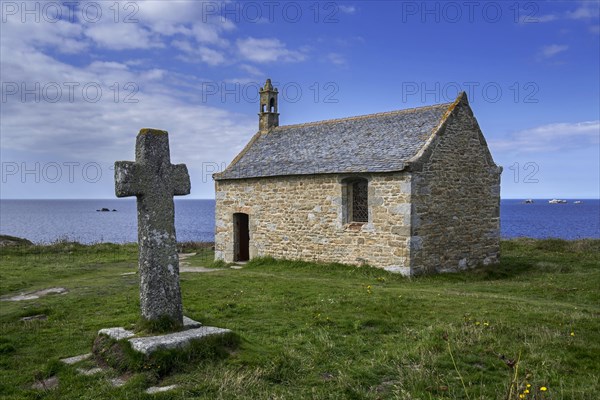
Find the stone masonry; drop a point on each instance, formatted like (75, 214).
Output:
(301, 218)
(455, 199)
(433, 200)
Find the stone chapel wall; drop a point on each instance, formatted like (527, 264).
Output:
(456, 200)
(300, 217)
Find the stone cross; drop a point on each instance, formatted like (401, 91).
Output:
(154, 181)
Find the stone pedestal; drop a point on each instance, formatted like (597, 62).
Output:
(192, 330)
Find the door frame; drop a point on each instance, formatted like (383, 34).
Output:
(241, 237)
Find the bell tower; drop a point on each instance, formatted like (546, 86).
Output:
(268, 117)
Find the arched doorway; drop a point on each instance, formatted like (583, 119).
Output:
(241, 237)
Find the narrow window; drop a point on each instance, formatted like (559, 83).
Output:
(356, 200)
(360, 198)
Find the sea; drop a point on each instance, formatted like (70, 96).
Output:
(47, 221)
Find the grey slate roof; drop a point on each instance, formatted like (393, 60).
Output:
(381, 142)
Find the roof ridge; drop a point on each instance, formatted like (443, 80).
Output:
(462, 96)
(365, 116)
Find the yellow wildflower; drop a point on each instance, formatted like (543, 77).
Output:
(543, 388)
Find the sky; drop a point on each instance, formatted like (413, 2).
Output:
(81, 78)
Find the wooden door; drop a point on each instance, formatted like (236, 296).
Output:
(241, 241)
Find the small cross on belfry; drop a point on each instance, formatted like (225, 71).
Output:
(154, 181)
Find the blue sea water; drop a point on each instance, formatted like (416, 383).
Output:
(543, 220)
(44, 221)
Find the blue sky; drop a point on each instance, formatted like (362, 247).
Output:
(80, 80)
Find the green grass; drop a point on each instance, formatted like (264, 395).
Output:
(320, 331)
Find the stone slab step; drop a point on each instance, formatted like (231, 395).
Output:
(76, 359)
(160, 389)
(169, 341)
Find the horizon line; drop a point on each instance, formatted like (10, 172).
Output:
(181, 198)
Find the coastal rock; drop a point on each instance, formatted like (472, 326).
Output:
(6, 240)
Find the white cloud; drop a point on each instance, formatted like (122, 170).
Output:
(210, 56)
(201, 31)
(173, 12)
(188, 18)
(123, 25)
(86, 130)
(336, 58)
(545, 18)
(61, 36)
(197, 53)
(122, 36)
(134, 91)
(183, 45)
(347, 9)
(551, 137)
(145, 24)
(251, 70)
(153, 74)
(171, 17)
(552, 50)
(267, 50)
(210, 33)
(586, 10)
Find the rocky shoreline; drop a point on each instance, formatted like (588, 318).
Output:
(7, 240)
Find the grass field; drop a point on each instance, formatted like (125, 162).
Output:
(528, 328)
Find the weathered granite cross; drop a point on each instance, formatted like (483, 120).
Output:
(154, 181)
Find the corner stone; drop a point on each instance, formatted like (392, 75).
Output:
(394, 269)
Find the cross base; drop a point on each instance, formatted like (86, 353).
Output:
(147, 345)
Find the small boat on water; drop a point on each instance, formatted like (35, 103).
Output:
(557, 201)
(578, 202)
(528, 201)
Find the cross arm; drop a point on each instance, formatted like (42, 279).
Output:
(181, 180)
(128, 179)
